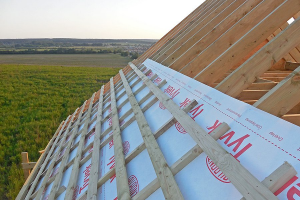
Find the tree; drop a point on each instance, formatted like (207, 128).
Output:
(124, 53)
(134, 55)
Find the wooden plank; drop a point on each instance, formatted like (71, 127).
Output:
(42, 151)
(162, 170)
(286, 57)
(294, 53)
(261, 86)
(35, 170)
(27, 166)
(242, 179)
(274, 74)
(192, 64)
(293, 118)
(251, 94)
(283, 97)
(280, 65)
(279, 177)
(291, 66)
(210, 31)
(121, 173)
(295, 109)
(75, 169)
(92, 187)
(65, 157)
(246, 74)
(200, 25)
(251, 102)
(26, 171)
(249, 41)
(274, 79)
(181, 163)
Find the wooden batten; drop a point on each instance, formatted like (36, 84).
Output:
(251, 94)
(293, 118)
(92, 187)
(279, 177)
(121, 174)
(25, 160)
(295, 109)
(283, 97)
(261, 86)
(291, 66)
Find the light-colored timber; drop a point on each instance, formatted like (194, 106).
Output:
(244, 48)
(163, 172)
(92, 187)
(244, 181)
(121, 174)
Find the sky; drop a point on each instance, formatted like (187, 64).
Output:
(92, 19)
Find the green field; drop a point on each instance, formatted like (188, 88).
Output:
(88, 60)
(34, 99)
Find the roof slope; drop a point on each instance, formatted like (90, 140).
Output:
(150, 132)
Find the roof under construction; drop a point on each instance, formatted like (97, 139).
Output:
(211, 111)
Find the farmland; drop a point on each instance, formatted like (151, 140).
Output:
(35, 97)
(89, 60)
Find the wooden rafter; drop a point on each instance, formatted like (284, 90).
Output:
(121, 174)
(246, 74)
(248, 42)
(92, 187)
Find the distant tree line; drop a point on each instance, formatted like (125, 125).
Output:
(70, 42)
(133, 55)
(56, 51)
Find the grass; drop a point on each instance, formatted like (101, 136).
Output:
(88, 60)
(34, 100)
